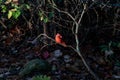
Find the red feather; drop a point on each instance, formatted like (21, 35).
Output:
(58, 39)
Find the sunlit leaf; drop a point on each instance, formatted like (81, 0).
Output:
(8, 1)
(27, 6)
(4, 9)
(9, 14)
(14, 9)
(16, 14)
(41, 18)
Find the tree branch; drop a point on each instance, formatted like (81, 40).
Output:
(77, 44)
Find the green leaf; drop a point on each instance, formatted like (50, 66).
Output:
(27, 6)
(4, 9)
(41, 77)
(103, 47)
(15, 6)
(45, 20)
(24, 6)
(41, 18)
(9, 14)
(16, 14)
(40, 13)
(8, 1)
(50, 15)
(0, 1)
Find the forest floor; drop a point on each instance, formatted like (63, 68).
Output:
(60, 63)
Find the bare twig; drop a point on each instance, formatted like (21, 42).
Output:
(85, 7)
(40, 36)
(77, 44)
(97, 15)
(3, 24)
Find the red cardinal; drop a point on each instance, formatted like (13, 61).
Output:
(58, 39)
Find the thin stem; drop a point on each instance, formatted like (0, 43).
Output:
(85, 7)
(77, 45)
(65, 13)
(3, 24)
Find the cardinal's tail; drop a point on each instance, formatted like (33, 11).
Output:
(63, 44)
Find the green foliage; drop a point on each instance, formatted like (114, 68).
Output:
(9, 14)
(110, 44)
(51, 15)
(4, 8)
(11, 10)
(0, 1)
(16, 14)
(41, 77)
(45, 20)
(43, 17)
(116, 44)
(104, 48)
(36, 64)
(24, 6)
